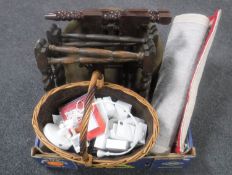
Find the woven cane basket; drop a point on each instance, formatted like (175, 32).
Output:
(57, 97)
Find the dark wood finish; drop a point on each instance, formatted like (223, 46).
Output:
(104, 38)
(54, 35)
(95, 44)
(121, 43)
(41, 51)
(159, 16)
(59, 74)
(94, 52)
(87, 60)
(149, 63)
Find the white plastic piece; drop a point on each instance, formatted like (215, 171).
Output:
(116, 145)
(109, 107)
(57, 136)
(92, 123)
(69, 135)
(73, 131)
(101, 153)
(61, 125)
(100, 142)
(77, 149)
(76, 142)
(122, 110)
(76, 120)
(131, 122)
(56, 119)
(137, 135)
(120, 113)
(142, 130)
(112, 121)
(113, 131)
(126, 106)
(123, 131)
(72, 122)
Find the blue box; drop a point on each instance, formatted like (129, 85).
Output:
(52, 160)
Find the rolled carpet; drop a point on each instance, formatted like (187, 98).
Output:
(184, 42)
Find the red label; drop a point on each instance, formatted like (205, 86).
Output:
(75, 109)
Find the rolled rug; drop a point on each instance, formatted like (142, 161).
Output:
(184, 42)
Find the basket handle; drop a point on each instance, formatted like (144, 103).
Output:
(97, 81)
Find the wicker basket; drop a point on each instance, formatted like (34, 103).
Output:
(50, 102)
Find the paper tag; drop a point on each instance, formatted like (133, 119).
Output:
(73, 112)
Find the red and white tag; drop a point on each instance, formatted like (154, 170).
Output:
(72, 114)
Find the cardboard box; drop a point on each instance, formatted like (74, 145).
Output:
(170, 161)
(52, 160)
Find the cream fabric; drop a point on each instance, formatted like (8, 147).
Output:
(180, 58)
